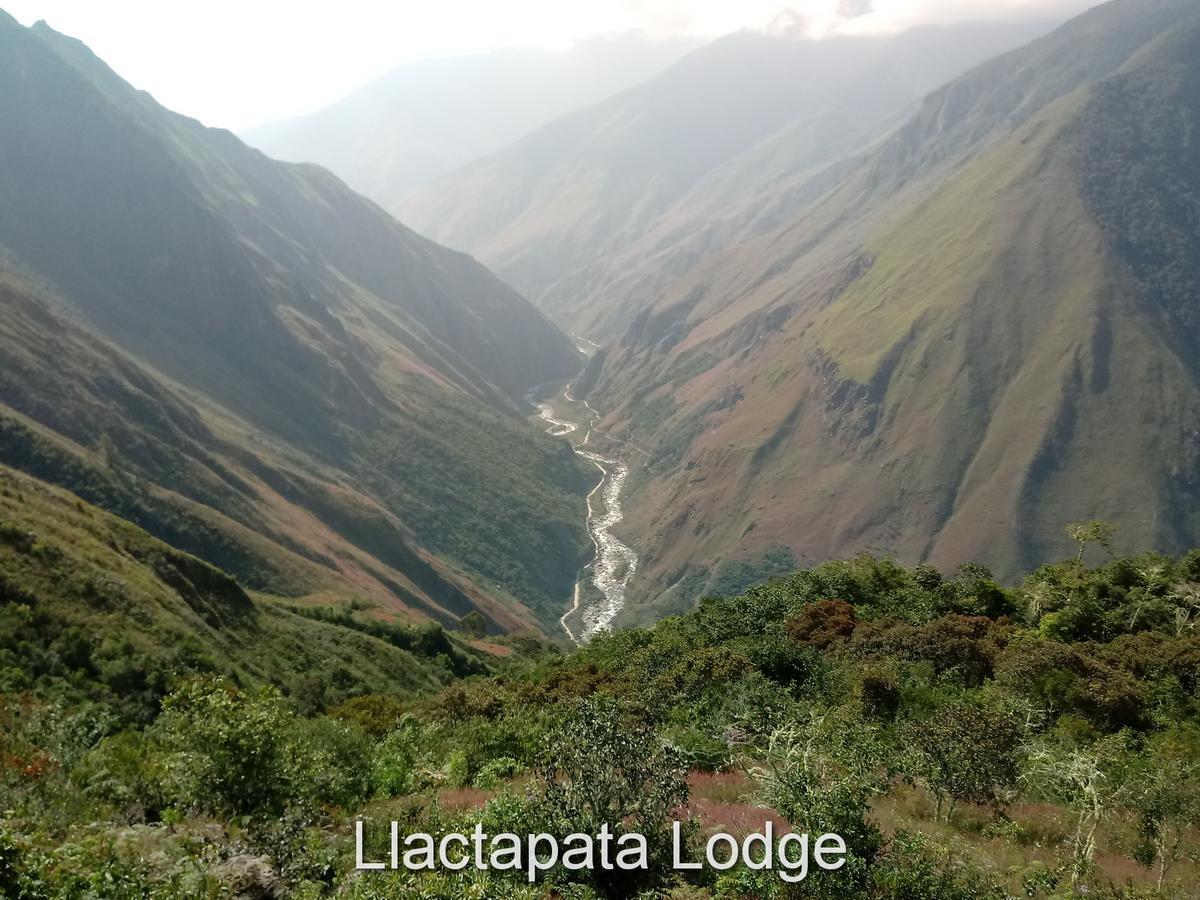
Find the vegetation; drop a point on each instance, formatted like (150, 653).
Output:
(857, 367)
(297, 391)
(94, 612)
(481, 493)
(966, 739)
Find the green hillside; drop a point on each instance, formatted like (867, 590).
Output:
(980, 333)
(967, 741)
(94, 610)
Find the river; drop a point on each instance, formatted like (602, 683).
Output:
(614, 563)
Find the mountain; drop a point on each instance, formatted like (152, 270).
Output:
(261, 368)
(983, 331)
(93, 608)
(577, 214)
(427, 118)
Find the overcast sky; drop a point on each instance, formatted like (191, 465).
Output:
(236, 63)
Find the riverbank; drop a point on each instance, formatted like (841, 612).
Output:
(599, 593)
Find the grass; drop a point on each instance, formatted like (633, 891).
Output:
(94, 608)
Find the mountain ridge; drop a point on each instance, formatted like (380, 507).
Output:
(958, 274)
(595, 213)
(425, 118)
(331, 356)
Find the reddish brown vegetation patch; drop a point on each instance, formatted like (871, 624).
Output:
(493, 649)
(823, 624)
(459, 799)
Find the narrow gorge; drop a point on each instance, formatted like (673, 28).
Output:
(599, 593)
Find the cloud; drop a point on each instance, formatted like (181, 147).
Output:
(823, 18)
(282, 57)
(852, 9)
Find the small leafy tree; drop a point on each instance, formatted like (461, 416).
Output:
(1165, 795)
(824, 770)
(397, 760)
(1085, 779)
(601, 768)
(1091, 532)
(968, 752)
(328, 762)
(229, 747)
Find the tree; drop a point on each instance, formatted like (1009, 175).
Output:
(229, 747)
(1165, 795)
(1186, 598)
(1086, 780)
(600, 767)
(822, 624)
(826, 769)
(473, 624)
(1091, 532)
(968, 752)
(1042, 596)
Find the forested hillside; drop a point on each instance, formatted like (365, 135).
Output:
(967, 740)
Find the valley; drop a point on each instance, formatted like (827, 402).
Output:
(599, 592)
(868, 506)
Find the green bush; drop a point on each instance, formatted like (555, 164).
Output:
(914, 868)
(330, 762)
(396, 761)
(126, 771)
(495, 772)
(601, 767)
(229, 748)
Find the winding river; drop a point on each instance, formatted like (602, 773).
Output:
(615, 562)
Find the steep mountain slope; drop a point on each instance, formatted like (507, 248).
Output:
(983, 332)
(570, 212)
(429, 117)
(295, 365)
(93, 607)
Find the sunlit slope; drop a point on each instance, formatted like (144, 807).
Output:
(981, 334)
(93, 607)
(596, 213)
(1018, 378)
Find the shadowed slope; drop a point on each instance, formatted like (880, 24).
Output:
(293, 360)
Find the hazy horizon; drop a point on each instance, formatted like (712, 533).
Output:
(275, 61)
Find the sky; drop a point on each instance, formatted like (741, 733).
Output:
(238, 63)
